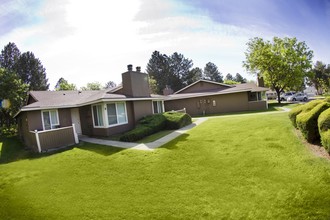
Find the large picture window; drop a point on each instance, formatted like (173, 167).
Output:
(50, 119)
(115, 114)
(157, 107)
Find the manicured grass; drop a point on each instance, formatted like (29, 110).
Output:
(154, 137)
(240, 167)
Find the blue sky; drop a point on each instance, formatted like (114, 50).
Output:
(86, 41)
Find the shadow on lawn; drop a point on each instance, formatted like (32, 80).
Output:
(100, 149)
(14, 150)
(173, 144)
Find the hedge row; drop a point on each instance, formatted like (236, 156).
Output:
(324, 129)
(146, 126)
(154, 123)
(307, 122)
(313, 120)
(176, 120)
(302, 108)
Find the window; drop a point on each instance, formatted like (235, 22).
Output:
(157, 107)
(97, 116)
(116, 113)
(50, 119)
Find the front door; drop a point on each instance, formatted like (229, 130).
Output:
(75, 117)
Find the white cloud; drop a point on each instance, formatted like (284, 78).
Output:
(86, 41)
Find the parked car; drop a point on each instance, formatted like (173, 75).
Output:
(271, 95)
(284, 96)
(298, 97)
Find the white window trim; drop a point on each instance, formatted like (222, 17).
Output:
(162, 106)
(51, 125)
(106, 111)
(102, 108)
(105, 115)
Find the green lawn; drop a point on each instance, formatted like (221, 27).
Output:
(247, 167)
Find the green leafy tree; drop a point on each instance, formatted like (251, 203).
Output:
(9, 56)
(13, 89)
(92, 86)
(63, 84)
(230, 82)
(283, 63)
(31, 72)
(212, 73)
(152, 85)
(110, 84)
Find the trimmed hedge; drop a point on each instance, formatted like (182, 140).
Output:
(324, 128)
(146, 126)
(302, 108)
(153, 123)
(307, 122)
(176, 120)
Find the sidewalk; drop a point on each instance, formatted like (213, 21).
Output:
(146, 146)
(165, 139)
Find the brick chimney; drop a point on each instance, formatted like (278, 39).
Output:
(135, 83)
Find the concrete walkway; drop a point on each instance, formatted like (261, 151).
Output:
(144, 146)
(167, 138)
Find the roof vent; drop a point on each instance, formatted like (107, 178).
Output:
(138, 69)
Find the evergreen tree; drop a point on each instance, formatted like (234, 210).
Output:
(229, 77)
(9, 56)
(212, 73)
(179, 71)
(194, 75)
(239, 78)
(31, 71)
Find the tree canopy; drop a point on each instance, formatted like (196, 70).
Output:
(212, 73)
(283, 63)
(13, 90)
(92, 86)
(170, 71)
(320, 77)
(63, 84)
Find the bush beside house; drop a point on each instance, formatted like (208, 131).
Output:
(176, 120)
(154, 123)
(324, 129)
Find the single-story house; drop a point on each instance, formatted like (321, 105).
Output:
(53, 119)
(207, 97)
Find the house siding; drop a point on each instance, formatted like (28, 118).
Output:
(142, 109)
(204, 105)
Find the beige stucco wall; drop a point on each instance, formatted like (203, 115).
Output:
(142, 109)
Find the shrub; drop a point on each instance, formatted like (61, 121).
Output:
(146, 126)
(307, 122)
(302, 108)
(324, 128)
(176, 120)
(8, 131)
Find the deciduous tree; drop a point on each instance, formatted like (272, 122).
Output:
(63, 84)
(283, 63)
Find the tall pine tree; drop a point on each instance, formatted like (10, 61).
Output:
(212, 73)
